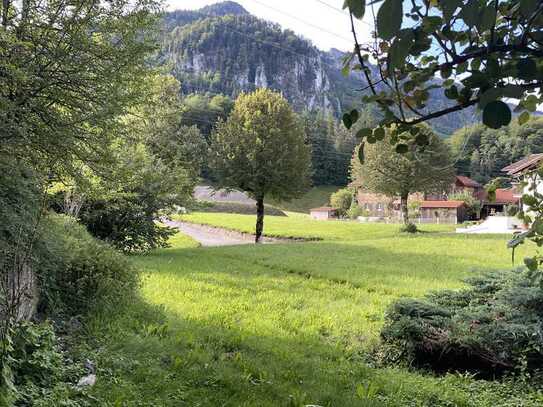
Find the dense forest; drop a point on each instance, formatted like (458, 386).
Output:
(482, 152)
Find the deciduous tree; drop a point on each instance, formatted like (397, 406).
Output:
(261, 149)
(419, 169)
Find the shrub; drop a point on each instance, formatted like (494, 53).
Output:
(82, 273)
(511, 210)
(36, 357)
(409, 228)
(491, 327)
(473, 205)
(342, 200)
(355, 211)
(126, 221)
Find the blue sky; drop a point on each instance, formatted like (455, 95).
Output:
(320, 21)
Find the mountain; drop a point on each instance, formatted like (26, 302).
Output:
(224, 49)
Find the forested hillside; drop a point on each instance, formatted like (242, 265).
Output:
(482, 152)
(222, 49)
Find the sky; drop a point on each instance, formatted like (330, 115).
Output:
(321, 21)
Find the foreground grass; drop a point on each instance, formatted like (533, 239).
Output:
(288, 324)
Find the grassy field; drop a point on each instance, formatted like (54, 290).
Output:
(288, 324)
(315, 197)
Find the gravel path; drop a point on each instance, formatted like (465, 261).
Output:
(212, 236)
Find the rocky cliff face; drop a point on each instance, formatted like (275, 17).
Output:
(223, 49)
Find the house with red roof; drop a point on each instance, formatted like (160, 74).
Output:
(431, 208)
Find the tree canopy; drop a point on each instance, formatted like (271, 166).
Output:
(70, 70)
(484, 51)
(481, 152)
(261, 149)
(420, 169)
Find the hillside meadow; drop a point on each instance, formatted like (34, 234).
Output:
(291, 324)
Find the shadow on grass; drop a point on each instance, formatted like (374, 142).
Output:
(396, 270)
(210, 349)
(172, 361)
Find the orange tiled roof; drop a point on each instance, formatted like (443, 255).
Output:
(505, 196)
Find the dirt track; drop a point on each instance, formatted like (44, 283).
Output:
(212, 236)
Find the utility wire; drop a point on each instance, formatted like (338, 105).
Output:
(303, 21)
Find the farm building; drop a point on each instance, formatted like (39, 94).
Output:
(442, 211)
(432, 208)
(323, 213)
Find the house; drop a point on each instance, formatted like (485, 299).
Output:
(442, 211)
(465, 184)
(523, 171)
(432, 208)
(504, 198)
(323, 213)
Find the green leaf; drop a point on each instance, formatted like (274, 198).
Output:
(364, 132)
(347, 120)
(523, 118)
(389, 18)
(513, 91)
(449, 7)
(357, 7)
(446, 72)
(527, 7)
(379, 133)
(448, 83)
(527, 68)
(496, 114)
(452, 92)
(402, 148)
(490, 95)
(431, 23)
(400, 48)
(408, 86)
(487, 18)
(347, 59)
(470, 13)
(531, 263)
(354, 116)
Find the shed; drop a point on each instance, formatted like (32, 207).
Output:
(443, 211)
(323, 213)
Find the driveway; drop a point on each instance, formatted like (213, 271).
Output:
(211, 236)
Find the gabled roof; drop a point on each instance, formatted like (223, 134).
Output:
(467, 182)
(527, 163)
(441, 204)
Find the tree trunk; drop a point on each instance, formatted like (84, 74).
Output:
(405, 211)
(5, 11)
(259, 218)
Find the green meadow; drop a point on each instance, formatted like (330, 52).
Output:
(289, 324)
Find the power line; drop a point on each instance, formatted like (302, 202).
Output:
(303, 21)
(342, 12)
